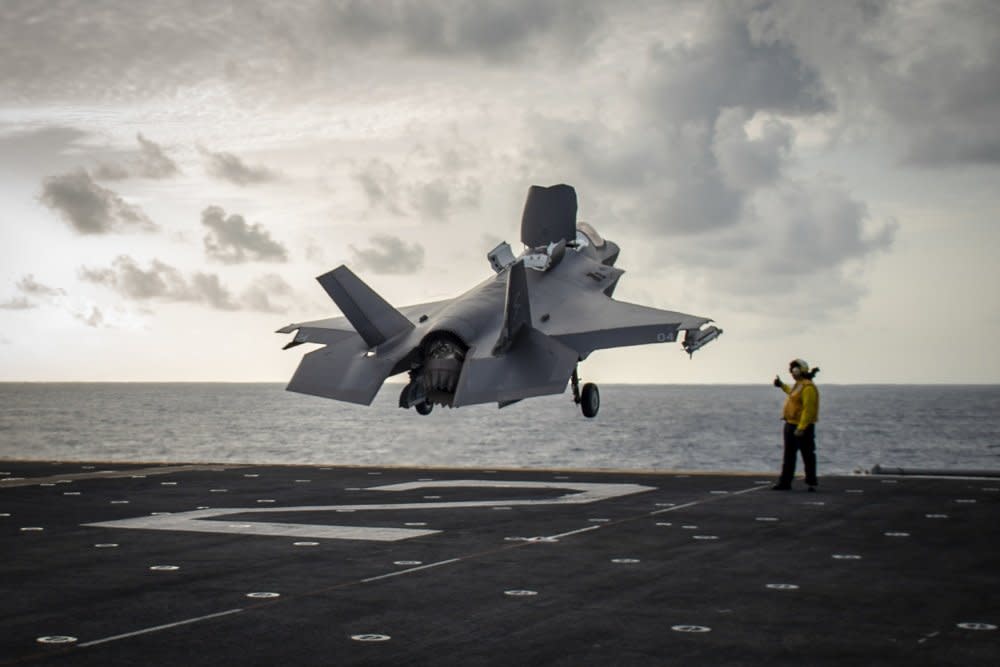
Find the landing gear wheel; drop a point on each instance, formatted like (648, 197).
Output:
(424, 407)
(590, 400)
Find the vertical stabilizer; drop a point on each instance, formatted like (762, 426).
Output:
(517, 308)
(371, 315)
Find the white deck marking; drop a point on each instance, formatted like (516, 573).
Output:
(196, 520)
(158, 628)
(112, 474)
(412, 569)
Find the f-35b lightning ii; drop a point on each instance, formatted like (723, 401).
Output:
(518, 334)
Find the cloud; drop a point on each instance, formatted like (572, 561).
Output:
(917, 76)
(163, 282)
(261, 294)
(232, 241)
(699, 165)
(228, 167)
(28, 285)
(492, 31)
(90, 208)
(390, 255)
(31, 290)
(17, 303)
(434, 200)
(95, 318)
(151, 162)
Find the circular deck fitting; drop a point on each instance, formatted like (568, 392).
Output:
(203, 507)
(705, 537)
(854, 491)
(374, 473)
(371, 638)
(977, 626)
(415, 523)
(251, 475)
(32, 529)
(782, 587)
(426, 479)
(690, 527)
(119, 502)
(967, 501)
(218, 490)
(846, 557)
(263, 595)
(561, 477)
(56, 639)
(432, 497)
(88, 467)
(815, 503)
(45, 484)
(4, 514)
(663, 523)
(625, 561)
(71, 493)
(690, 628)
(602, 520)
(164, 568)
(138, 477)
(305, 544)
(766, 518)
(106, 545)
(265, 500)
(407, 562)
(719, 493)
(520, 593)
(168, 483)
(894, 533)
(303, 481)
(936, 516)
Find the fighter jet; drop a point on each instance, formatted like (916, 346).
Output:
(518, 334)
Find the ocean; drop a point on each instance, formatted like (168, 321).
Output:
(667, 427)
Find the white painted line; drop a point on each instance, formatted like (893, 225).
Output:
(412, 569)
(572, 532)
(157, 628)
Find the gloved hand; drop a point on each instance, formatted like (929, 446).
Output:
(777, 381)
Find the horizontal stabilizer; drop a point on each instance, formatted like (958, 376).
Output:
(370, 315)
(344, 371)
(549, 215)
(536, 365)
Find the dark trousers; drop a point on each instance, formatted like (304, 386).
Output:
(806, 443)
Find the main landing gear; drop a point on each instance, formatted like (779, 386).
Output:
(589, 399)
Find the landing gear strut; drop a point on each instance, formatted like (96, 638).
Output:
(589, 399)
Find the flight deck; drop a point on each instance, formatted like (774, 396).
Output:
(163, 564)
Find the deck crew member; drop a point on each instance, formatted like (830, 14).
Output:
(800, 414)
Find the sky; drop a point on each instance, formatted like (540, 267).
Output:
(821, 179)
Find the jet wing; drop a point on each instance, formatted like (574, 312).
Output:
(333, 330)
(613, 323)
(343, 371)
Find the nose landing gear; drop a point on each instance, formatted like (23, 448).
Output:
(589, 398)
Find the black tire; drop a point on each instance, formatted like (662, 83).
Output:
(424, 407)
(590, 400)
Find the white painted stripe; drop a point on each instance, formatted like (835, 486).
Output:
(572, 532)
(157, 628)
(412, 569)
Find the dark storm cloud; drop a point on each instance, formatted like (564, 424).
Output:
(390, 255)
(165, 283)
(232, 241)
(90, 208)
(700, 168)
(919, 75)
(229, 167)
